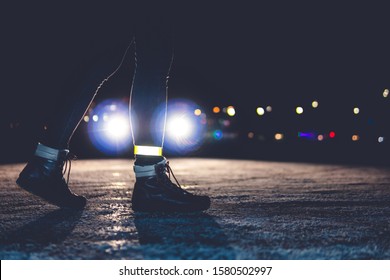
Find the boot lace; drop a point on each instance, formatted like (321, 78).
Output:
(68, 166)
(166, 171)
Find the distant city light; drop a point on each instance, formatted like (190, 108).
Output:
(279, 136)
(231, 111)
(217, 134)
(111, 123)
(197, 112)
(307, 135)
(224, 122)
(216, 110)
(260, 111)
(355, 137)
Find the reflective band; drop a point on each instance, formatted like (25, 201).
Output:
(148, 150)
(147, 170)
(48, 153)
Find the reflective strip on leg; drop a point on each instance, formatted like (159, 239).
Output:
(144, 171)
(147, 150)
(147, 170)
(48, 153)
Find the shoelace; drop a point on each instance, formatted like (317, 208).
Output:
(168, 170)
(68, 163)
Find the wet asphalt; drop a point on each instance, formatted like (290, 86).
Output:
(259, 210)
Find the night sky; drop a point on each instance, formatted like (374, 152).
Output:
(245, 53)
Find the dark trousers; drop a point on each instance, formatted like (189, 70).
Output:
(153, 47)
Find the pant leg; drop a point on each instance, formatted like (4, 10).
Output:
(80, 91)
(154, 48)
(154, 54)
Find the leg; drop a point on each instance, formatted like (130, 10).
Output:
(153, 190)
(154, 49)
(43, 175)
(79, 92)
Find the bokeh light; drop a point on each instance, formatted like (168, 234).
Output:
(197, 112)
(113, 135)
(179, 126)
(188, 125)
(224, 122)
(230, 111)
(355, 137)
(216, 110)
(185, 126)
(307, 135)
(217, 134)
(386, 93)
(117, 127)
(279, 136)
(260, 111)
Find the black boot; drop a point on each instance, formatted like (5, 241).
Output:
(154, 191)
(43, 176)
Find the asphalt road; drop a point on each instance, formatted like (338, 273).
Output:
(260, 210)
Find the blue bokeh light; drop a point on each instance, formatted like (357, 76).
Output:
(218, 134)
(184, 130)
(110, 133)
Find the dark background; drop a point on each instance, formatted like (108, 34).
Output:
(243, 53)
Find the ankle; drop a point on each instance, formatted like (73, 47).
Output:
(49, 153)
(142, 160)
(143, 170)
